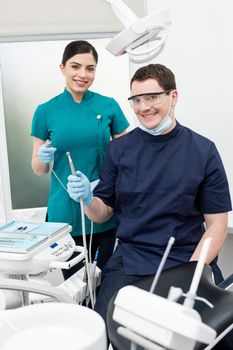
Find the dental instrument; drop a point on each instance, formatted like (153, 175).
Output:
(48, 143)
(162, 263)
(73, 172)
(89, 279)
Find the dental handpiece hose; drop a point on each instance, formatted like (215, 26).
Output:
(72, 168)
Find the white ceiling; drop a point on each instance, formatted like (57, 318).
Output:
(33, 17)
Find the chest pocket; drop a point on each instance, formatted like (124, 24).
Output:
(143, 178)
(132, 204)
(149, 204)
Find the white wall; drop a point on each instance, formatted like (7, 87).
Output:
(225, 257)
(199, 50)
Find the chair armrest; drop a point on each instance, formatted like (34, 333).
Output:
(227, 283)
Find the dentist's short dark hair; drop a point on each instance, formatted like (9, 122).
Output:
(164, 76)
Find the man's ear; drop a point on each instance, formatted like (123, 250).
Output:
(174, 97)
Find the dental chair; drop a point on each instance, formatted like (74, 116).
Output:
(220, 318)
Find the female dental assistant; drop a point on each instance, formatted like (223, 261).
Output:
(81, 122)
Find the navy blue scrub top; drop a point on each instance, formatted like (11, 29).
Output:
(160, 186)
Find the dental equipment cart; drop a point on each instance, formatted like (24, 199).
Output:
(29, 250)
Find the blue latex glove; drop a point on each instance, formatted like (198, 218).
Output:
(80, 187)
(46, 154)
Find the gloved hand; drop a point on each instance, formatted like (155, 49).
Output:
(46, 154)
(80, 187)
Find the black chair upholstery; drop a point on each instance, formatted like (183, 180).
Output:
(219, 318)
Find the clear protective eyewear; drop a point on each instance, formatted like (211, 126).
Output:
(150, 99)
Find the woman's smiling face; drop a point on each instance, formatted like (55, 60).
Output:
(79, 72)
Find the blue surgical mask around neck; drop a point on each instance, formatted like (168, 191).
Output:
(159, 129)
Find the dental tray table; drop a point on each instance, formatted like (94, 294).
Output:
(29, 248)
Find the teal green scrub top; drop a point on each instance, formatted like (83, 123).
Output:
(84, 129)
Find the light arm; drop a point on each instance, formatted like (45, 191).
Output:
(119, 135)
(216, 228)
(123, 12)
(98, 211)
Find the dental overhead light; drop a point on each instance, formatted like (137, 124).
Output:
(143, 38)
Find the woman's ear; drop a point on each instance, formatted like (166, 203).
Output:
(62, 68)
